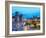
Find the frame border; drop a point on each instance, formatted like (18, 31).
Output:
(7, 19)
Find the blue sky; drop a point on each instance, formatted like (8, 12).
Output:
(27, 12)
